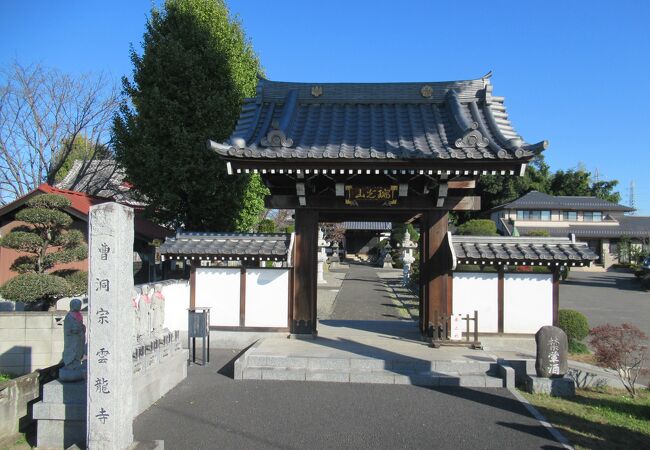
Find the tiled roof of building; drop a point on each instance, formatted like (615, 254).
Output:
(370, 226)
(539, 200)
(101, 178)
(457, 120)
(630, 226)
(80, 204)
(520, 250)
(254, 246)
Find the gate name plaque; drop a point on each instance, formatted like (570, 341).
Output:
(355, 195)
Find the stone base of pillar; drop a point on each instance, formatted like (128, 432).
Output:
(61, 415)
(556, 387)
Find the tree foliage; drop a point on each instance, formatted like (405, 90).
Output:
(496, 190)
(187, 86)
(46, 241)
(478, 227)
(397, 233)
(266, 226)
(82, 149)
(622, 348)
(42, 114)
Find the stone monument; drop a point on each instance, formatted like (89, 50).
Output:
(551, 364)
(74, 344)
(552, 352)
(110, 315)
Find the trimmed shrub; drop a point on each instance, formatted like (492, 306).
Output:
(478, 227)
(77, 280)
(576, 327)
(266, 226)
(30, 287)
(577, 347)
(538, 233)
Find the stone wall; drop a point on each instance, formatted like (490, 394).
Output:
(30, 340)
(17, 397)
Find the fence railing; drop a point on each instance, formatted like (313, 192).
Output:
(440, 331)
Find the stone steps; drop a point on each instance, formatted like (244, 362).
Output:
(369, 370)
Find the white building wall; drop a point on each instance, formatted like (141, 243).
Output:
(267, 298)
(527, 302)
(477, 291)
(218, 288)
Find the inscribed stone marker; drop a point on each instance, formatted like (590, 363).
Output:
(552, 352)
(110, 319)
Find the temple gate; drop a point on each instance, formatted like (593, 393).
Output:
(404, 152)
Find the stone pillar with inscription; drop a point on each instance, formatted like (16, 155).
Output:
(110, 319)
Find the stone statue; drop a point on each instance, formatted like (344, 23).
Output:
(74, 344)
(135, 302)
(144, 308)
(159, 308)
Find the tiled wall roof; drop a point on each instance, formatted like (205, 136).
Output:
(520, 250)
(227, 246)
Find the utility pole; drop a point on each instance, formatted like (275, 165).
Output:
(632, 200)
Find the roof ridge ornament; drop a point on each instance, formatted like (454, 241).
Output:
(276, 137)
(426, 91)
(485, 79)
(472, 138)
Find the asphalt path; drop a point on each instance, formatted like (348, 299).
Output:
(363, 296)
(210, 410)
(607, 297)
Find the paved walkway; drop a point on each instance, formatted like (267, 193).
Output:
(603, 297)
(363, 296)
(211, 410)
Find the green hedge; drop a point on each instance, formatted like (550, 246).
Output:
(478, 227)
(576, 327)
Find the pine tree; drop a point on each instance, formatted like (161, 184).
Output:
(188, 85)
(46, 240)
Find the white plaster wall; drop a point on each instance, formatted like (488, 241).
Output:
(527, 302)
(218, 288)
(477, 291)
(267, 298)
(177, 300)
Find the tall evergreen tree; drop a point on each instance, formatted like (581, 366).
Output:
(188, 85)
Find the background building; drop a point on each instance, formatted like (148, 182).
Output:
(600, 223)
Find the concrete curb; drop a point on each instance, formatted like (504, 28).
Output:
(559, 437)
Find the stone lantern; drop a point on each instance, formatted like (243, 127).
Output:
(407, 257)
(335, 260)
(322, 255)
(387, 260)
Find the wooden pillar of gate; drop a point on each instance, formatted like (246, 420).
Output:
(435, 264)
(303, 320)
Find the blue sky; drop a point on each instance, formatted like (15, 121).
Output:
(572, 72)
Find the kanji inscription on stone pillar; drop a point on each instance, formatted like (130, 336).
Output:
(110, 323)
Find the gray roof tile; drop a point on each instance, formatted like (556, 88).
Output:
(539, 200)
(236, 245)
(368, 225)
(521, 250)
(101, 178)
(454, 120)
(630, 226)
